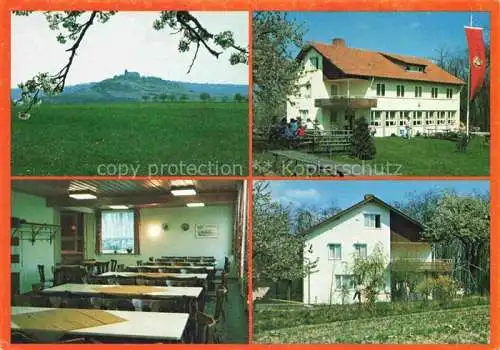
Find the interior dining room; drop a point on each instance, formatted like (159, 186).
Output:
(129, 261)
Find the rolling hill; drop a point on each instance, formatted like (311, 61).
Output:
(131, 86)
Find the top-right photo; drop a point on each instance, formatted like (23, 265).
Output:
(371, 93)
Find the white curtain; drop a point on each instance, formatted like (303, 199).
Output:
(117, 230)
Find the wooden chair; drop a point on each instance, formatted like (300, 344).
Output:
(173, 305)
(171, 270)
(102, 267)
(124, 305)
(71, 301)
(182, 282)
(220, 304)
(126, 281)
(45, 282)
(206, 329)
(139, 262)
(114, 264)
(21, 300)
(120, 268)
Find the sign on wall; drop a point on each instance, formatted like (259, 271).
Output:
(206, 231)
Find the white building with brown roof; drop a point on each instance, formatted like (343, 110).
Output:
(354, 232)
(393, 92)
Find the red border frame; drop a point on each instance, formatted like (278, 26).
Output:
(6, 6)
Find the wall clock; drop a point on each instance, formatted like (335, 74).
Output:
(185, 227)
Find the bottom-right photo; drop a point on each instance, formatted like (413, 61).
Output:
(342, 261)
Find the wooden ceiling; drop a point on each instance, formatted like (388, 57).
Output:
(151, 192)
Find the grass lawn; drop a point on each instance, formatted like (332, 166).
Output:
(143, 138)
(462, 325)
(415, 157)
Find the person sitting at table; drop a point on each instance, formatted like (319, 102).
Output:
(309, 124)
(293, 126)
(289, 134)
(301, 131)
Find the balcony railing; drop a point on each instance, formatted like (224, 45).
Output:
(343, 102)
(422, 265)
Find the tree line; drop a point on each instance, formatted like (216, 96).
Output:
(204, 96)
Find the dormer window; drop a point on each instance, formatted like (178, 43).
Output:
(411, 68)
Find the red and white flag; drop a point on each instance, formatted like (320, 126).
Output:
(477, 59)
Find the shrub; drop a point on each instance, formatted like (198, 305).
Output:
(362, 143)
(425, 287)
(441, 288)
(445, 287)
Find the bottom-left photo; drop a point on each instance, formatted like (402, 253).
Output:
(126, 261)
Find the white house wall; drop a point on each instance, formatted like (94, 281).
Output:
(359, 88)
(347, 231)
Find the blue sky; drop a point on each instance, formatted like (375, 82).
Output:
(411, 33)
(322, 194)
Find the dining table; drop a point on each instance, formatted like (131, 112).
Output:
(48, 324)
(127, 291)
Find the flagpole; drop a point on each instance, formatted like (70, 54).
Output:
(468, 93)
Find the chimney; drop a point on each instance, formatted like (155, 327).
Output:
(369, 196)
(338, 42)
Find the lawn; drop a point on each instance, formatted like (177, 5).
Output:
(452, 326)
(415, 157)
(128, 139)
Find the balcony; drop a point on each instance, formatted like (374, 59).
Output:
(422, 265)
(344, 102)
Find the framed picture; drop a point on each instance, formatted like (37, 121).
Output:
(206, 231)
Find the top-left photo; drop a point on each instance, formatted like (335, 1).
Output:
(98, 93)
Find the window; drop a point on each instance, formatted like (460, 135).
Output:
(403, 118)
(380, 89)
(400, 90)
(334, 252)
(334, 90)
(418, 91)
(360, 250)
(348, 281)
(429, 118)
(451, 118)
(372, 220)
(375, 118)
(117, 232)
(308, 91)
(449, 93)
(390, 118)
(315, 62)
(434, 92)
(304, 114)
(441, 118)
(417, 118)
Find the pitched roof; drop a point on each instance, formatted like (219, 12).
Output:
(369, 198)
(366, 63)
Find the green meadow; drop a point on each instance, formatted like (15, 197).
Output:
(127, 139)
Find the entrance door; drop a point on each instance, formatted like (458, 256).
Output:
(350, 120)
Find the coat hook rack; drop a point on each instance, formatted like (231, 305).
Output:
(33, 231)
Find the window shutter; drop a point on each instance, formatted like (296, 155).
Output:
(98, 232)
